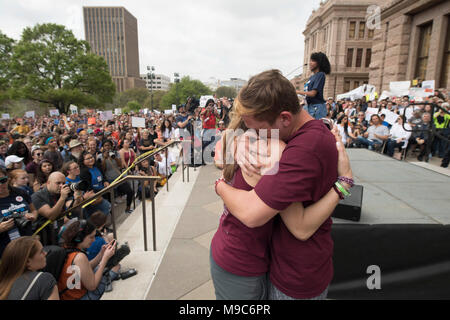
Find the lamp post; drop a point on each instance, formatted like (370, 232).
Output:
(176, 80)
(151, 75)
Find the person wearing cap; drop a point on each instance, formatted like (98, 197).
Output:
(52, 154)
(14, 162)
(75, 150)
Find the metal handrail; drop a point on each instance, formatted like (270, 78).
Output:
(122, 180)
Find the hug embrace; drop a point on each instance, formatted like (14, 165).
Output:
(274, 237)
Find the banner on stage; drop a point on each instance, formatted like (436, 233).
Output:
(138, 122)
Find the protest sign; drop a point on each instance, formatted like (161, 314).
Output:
(83, 111)
(400, 88)
(29, 114)
(167, 112)
(391, 117)
(370, 112)
(5, 116)
(92, 121)
(204, 99)
(138, 122)
(54, 112)
(118, 111)
(429, 84)
(73, 109)
(174, 108)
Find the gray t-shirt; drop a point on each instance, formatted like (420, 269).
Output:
(380, 130)
(41, 290)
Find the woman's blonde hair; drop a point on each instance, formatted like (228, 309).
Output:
(14, 262)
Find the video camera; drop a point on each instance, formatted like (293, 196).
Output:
(79, 186)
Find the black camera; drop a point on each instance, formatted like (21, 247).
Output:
(112, 155)
(79, 186)
(23, 224)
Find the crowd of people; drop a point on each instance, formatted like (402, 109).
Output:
(49, 164)
(409, 134)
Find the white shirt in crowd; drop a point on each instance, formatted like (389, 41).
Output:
(162, 169)
(397, 132)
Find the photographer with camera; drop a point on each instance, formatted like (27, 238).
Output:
(17, 213)
(50, 202)
(110, 166)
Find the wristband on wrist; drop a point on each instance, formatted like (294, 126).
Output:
(341, 196)
(349, 181)
(342, 189)
(217, 183)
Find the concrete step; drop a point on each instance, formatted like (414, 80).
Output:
(168, 209)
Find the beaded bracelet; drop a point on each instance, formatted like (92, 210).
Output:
(349, 181)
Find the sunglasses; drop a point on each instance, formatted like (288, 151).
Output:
(3, 180)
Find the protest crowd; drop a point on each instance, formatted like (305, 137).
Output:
(380, 125)
(51, 163)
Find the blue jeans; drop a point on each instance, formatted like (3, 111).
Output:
(103, 206)
(317, 111)
(369, 143)
(98, 293)
(275, 294)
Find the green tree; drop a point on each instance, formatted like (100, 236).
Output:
(228, 92)
(136, 94)
(51, 66)
(157, 97)
(132, 106)
(179, 92)
(6, 49)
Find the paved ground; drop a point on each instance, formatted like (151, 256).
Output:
(184, 271)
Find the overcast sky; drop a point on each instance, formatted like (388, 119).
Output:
(199, 38)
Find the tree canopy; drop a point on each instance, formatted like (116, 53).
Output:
(6, 48)
(186, 88)
(51, 66)
(228, 92)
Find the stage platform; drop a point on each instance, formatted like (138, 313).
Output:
(404, 233)
(399, 192)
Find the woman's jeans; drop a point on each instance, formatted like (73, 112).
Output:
(317, 111)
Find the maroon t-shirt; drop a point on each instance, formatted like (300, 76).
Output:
(307, 172)
(238, 249)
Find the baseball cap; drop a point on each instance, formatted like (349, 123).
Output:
(12, 159)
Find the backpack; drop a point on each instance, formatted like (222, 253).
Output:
(56, 258)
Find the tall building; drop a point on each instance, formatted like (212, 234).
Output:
(160, 82)
(112, 33)
(235, 83)
(338, 29)
(412, 43)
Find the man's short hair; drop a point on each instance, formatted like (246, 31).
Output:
(266, 95)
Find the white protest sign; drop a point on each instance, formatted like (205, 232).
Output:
(54, 112)
(174, 107)
(73, 109)
(204, 99)
(391, 117)
(138, 122)
(83, 111)
(370, 112)
(118, 111)
(385, 95)
(109, 115)
(145, 110)
(29, 114)
(168, 111)
(5, 116)
(429, 84)
(400, 88)
(418, 93)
